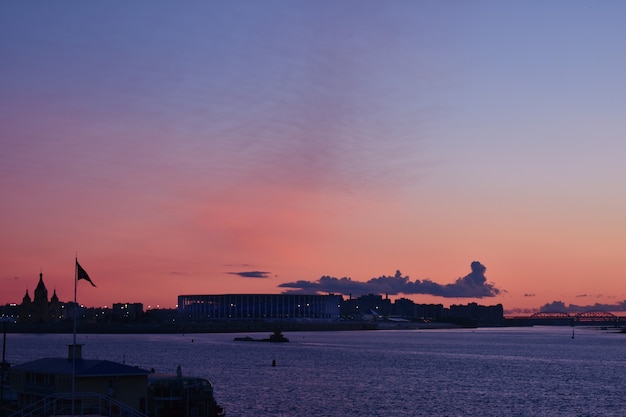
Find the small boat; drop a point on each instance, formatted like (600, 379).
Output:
(246, 339)
(178, 395)
(276, 337)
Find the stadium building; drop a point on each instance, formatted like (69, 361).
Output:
(259, 306)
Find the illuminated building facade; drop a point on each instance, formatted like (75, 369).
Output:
(259, 306)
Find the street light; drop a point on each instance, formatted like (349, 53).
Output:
(4, 365)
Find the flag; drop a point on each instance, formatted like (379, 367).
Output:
(82, 274)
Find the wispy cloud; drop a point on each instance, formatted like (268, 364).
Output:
(251, 274)
(472, 285)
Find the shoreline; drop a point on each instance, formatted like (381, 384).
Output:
(226, 327)
(251, 326)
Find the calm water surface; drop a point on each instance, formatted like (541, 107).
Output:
(539, 371)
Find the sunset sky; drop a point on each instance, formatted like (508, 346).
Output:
(212, 147)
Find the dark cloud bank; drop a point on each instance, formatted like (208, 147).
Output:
(473, 285)
(251, 274)
(561, 307)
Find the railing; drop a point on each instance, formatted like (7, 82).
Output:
(83, 404)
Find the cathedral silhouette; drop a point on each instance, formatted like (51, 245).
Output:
(40, 309)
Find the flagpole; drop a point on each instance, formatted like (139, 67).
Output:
(73, 349)
(75, 304)
(79, 273)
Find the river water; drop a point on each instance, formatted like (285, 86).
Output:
(534, 371)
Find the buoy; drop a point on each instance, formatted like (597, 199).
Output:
(273, 362)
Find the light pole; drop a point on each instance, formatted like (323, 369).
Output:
(3, 365)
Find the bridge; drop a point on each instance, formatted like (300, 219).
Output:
(587, 317)
(594, 316)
